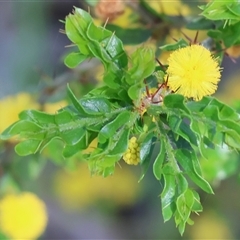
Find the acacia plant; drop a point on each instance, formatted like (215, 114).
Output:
(145, 106)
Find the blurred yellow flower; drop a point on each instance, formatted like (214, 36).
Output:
(22, 216)
(125, 20)
(193, 72)
(174, 7)
(210, 225)
(11, 106)
(131, 156)
(53, 107)
(230, 89)
(78, 190)
(234, 51)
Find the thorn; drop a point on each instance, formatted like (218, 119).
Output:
(188, 38)
(70, 45)
(62, 31)
(160, 64)
(110, 38)
(105, 24)
(147, 89)
(174, 38)
(195, 39)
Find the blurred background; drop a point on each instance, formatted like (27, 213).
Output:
(32, 75)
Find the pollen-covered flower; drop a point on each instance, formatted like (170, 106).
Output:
(193, 72)
(22, 216)
(132, 155)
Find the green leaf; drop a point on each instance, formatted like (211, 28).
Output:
(21, 127)
(95, 106)
(184, 204)
(134, 92)
(219, 10)
(146, 147)
(182, 184)
(181, 43)
(130, 35)
(121, 144)
(63, 117)
(228, 34)
(158, 163)
(191, 166)
(200, 23)
(110, 128)
(27, 147)
(142, 65)
(70, 150)
(73, 136)
(197, 207)
(75, 102)
(37, 116)
(73, 59)
(176, 101)
(168, 193)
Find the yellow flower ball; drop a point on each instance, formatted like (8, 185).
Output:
(193, 72)
(132, 155)
(22, 216)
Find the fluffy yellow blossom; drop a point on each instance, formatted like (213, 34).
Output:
(79, 190)
(193, 72)
(131, 156)
(22, 216)
(174, 7)
(11, 106)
